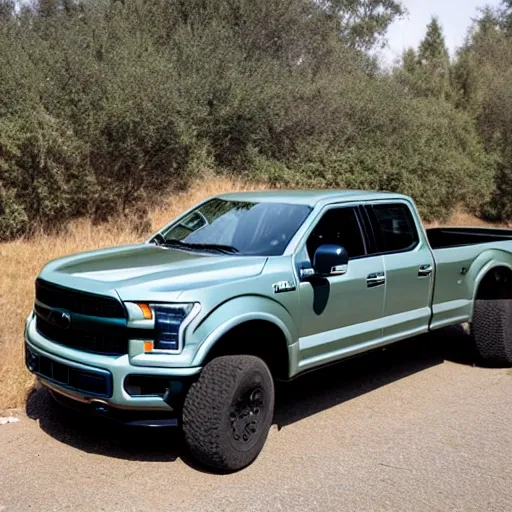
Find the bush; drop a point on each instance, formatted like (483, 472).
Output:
(109, 105)
(42, 180)
(389, 141)
(483, 76)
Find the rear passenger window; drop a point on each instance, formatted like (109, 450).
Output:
(339, 227)
(398, 231)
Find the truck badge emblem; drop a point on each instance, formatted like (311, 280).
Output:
(284, 286)
(61, 319)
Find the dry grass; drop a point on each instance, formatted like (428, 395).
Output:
(22, 260)
(461, 218)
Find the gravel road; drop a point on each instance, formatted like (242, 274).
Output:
(415, 427)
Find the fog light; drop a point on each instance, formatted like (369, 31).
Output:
(146, 385)
(31, 361)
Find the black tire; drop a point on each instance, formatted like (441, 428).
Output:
(492, 331)
(228, 412)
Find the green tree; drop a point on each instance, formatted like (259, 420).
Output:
(362, 23)
(484, 76)
(427, 73)
(433, 47)
(503, 14)
(47, 8)
(410, 61)
(7, 10)
(489, 20)
(434, 63)
(107, 103)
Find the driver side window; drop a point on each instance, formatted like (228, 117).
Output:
(338, 226)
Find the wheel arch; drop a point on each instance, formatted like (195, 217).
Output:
(486, 276)
(253, 326)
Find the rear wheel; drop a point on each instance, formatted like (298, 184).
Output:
(228, 412)
(492, 318)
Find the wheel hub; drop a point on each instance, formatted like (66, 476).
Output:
(245, 416)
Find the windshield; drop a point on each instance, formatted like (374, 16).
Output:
(240, 227)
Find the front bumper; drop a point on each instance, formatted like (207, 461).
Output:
(126, 417)
(67, 372)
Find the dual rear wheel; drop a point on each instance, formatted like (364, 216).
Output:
(492, 318)
(492, 331)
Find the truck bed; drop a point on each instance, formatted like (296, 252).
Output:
(444, 238)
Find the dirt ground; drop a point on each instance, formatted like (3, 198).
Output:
(414, 427)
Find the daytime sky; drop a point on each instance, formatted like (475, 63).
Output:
(454, 15)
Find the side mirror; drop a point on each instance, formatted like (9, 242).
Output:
(330, 260)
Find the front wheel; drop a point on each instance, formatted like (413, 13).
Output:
(228, 412)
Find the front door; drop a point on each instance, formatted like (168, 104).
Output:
(340, 314)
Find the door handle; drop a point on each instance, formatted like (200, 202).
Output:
(375, 279)
(425, 270)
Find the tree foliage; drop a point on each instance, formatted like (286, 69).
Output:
(109, 104)
(427, 72)
(433, 47)
(483, 76)
(362, 23)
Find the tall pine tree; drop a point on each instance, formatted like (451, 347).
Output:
(483, 75)
(434, 63)
(505, 15)
(362, 24)
(433, 48)
(409, 61)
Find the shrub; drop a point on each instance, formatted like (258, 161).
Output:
(107, 106)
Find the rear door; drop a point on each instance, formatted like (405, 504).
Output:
(409, 268)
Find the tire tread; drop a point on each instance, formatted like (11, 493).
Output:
(204, 410)
(492, 331)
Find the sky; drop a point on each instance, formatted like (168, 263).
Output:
(454, 16)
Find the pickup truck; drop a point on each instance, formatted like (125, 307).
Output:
(193, 327)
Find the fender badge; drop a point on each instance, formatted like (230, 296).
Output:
(283, 286)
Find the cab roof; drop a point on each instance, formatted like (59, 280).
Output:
(309, 197)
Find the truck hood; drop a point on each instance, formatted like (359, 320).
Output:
(148, 272)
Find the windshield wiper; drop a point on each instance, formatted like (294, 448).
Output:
(225, 249)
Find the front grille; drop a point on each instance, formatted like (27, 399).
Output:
(106, 343)
(97, 382)
(78, 302)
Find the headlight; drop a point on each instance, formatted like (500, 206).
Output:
(168, 321)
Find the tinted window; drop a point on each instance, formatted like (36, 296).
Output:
(397, 229)
(251, 228)
(340, 227)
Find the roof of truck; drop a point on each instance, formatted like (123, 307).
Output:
(309, 197)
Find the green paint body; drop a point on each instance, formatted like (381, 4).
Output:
(233, 289)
